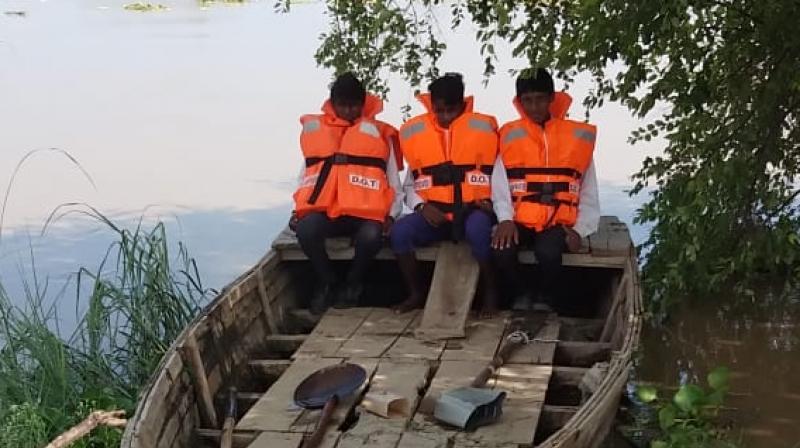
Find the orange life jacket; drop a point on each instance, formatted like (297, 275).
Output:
(452, 167)
(345, 172)
(545, 165)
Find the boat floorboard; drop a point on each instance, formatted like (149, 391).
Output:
(419, 371)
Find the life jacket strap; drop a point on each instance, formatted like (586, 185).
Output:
(448, 173)
(547, 199)
(338, 159)
(519, 173)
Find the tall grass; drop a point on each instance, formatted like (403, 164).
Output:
(136, 303)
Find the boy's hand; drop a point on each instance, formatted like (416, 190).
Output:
(572, 239)
(433, 215)
(506, 235)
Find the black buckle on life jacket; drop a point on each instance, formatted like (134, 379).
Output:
(340, 159)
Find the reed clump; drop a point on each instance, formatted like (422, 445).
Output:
(136, 303)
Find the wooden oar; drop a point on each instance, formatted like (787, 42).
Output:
(226, 440)
(519, 337)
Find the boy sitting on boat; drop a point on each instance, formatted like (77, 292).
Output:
(548, 161)
(451, 182)
(349, 186)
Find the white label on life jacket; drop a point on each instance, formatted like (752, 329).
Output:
(423, 183)
(518, 186)
(365, 182)
(309, 181)
(478, 178)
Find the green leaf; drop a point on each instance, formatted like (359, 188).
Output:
(646, 393)
(688, 397)
(658, 444)
(718, 378)
(666, 417)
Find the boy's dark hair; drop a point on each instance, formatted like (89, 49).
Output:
(449, 88)
(347, 88)
(535, 80)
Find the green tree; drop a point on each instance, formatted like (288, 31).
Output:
(723, 196)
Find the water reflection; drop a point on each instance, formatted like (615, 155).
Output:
(758, 339)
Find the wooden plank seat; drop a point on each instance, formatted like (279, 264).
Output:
(608, 247)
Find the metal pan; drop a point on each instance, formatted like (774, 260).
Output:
(323, 389)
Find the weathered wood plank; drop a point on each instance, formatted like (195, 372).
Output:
(241, 439)
(555, 417)
(275, 411)
(272, 368)
(277, 440)
(376, 334)
(341, 249)
(581, 354)
(410, 348)
(455, 279)
(333, 330)
(285, 343)
(429, 254)
(525, 386)
(542, 347)
(483, 336)
(425, 439)
(405, 379)
(451, 374)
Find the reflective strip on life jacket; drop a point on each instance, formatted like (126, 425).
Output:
(312, 125)
(411, 130)
(584, 134)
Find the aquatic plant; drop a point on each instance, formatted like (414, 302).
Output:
(137, 301)
(689, 417)
(141, 6)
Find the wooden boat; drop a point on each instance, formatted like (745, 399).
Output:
(256, 336)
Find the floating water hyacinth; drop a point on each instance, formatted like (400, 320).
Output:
(140, 6)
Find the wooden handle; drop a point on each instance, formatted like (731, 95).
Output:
(505, 351)
(319, 431)
(226, 440)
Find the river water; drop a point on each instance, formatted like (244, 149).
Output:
(189, 115)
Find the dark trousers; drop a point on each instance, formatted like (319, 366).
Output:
(548, 246)
(413, 231)
(313, 229)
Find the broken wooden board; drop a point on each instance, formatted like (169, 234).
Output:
(455, 279)
(483, 336)
(376, 334)
(275, 410)
(276, 440)
(450, 375)
(542, 346)
(525, 387)
(405, 379)
(410, 348)
(333, 330)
